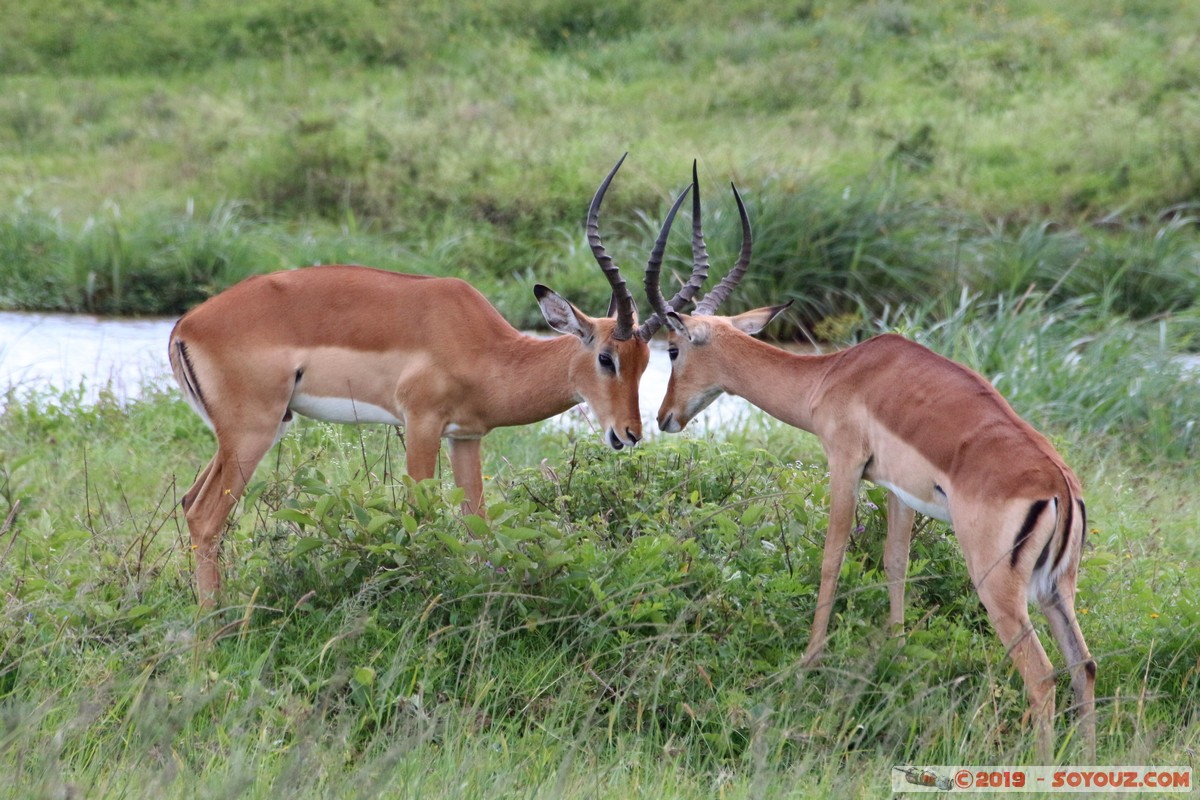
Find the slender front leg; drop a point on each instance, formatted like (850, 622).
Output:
(843, 486)
(468, 472)
(423, 439)
(895, 559)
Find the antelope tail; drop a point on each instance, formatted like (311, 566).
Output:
(1061, 551)
(185, 376)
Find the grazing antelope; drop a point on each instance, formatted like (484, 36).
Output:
(353, 344)
(940, 439)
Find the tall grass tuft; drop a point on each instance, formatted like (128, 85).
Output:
(836, 251)
(827, 246)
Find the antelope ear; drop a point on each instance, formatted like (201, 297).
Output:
(561, 315)
(753, 322)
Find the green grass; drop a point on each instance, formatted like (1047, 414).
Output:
(622, 624)
(886, 147)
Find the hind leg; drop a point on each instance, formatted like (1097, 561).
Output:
(243, 396)
(241, 444)
(212, 498)
(1004, 597)
(1011, 620)
(1059, 609)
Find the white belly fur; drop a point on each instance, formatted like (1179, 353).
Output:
(341, 409)
(928, 509)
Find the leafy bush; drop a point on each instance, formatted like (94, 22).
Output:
(678, 580)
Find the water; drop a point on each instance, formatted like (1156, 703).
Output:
(48, 353)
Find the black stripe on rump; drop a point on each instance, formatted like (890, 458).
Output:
(1066, 538)
(1082, 524)
(1031, 519)
(190, 372)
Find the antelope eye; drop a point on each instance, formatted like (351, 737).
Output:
(672, 353)
(607, 363)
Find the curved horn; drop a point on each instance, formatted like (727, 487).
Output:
(699, 254)
(623, 300)
(653, 269)
(709, 304)
(695, 280)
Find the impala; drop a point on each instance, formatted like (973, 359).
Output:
(940, 439)
(353, 344)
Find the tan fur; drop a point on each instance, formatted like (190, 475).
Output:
(431, 353)
(896, 413)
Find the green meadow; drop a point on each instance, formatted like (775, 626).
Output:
(1014, 184)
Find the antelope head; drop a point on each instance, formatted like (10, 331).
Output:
(695, 372)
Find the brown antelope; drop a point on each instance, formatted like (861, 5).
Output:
(353, 344)
(940, 439)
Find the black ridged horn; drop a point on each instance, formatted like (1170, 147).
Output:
(622, 299)
(710, 302)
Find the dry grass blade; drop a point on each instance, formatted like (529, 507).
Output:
(8, 521)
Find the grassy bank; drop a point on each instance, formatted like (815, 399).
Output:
(152, 153)
(622, 624)
(834, 251)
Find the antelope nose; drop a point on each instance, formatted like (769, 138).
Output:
(633, 437)
(667, 423)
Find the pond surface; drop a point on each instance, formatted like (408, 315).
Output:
(53, 352)
(42, 353)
